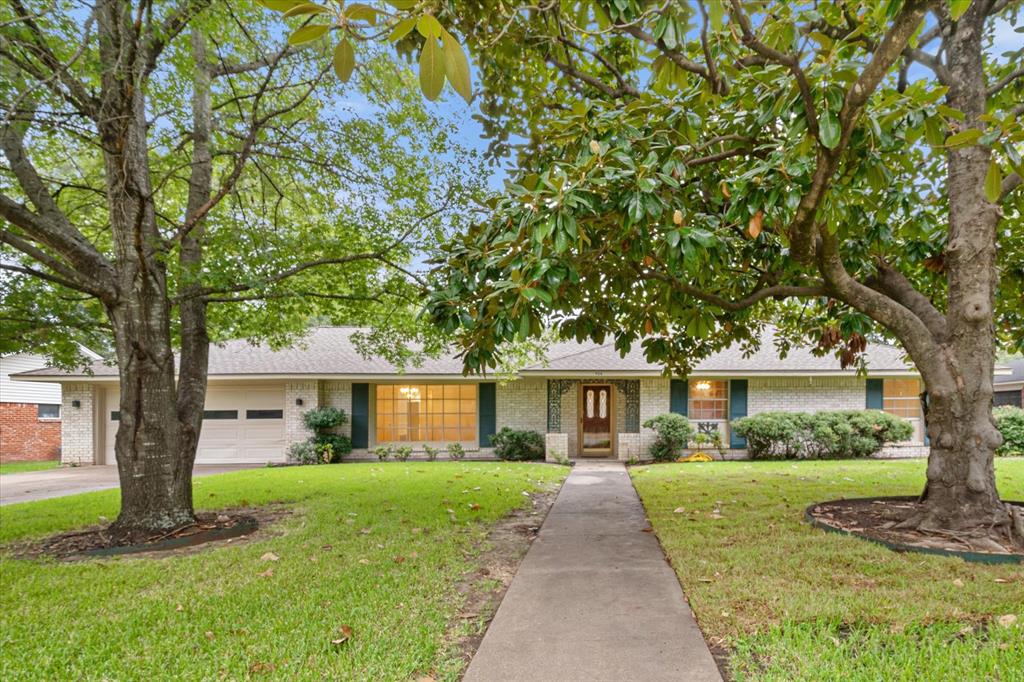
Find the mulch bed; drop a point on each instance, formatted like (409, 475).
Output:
(101, 541)
(877, 518)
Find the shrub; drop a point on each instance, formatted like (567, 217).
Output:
(403, 452)
(303, 453)
(674, 433)
(517, 446)
(430, 452)
(383, 452)
(841, 434)
(1010, 422)
(324, 418)
(329, 447)
(456, 451)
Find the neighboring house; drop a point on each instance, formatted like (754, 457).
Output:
(29, 412)
(1009, 383)
(586, 399)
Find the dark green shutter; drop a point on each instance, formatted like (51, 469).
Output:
(737, 409)
(873, 399)
(678, 396)
(486, 412)
(360, 415)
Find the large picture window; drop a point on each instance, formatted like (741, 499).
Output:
(410, 413)
(708, 399)
(901, 397)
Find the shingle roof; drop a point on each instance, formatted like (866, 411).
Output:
(329, 351)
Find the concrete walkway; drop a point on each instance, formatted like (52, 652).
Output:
(41, 485)
(594, 598)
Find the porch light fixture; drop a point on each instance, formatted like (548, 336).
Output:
(298, 401)
(76, 403)
(703, 386)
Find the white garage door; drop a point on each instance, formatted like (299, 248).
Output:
(241, 424)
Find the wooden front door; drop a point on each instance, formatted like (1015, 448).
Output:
(596, 422)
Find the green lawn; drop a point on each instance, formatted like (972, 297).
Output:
(19, 467)
(215, 615)
(796, 603)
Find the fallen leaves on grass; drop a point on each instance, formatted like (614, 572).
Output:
(270, 556)
(344, 634)
(1007, 620)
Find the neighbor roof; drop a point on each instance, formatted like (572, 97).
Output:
(330, 352)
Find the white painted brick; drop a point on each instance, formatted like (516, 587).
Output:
(78, 424)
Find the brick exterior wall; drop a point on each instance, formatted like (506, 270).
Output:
(338, 394)
(24, 436)
(654, 400)
(522, 404)
(804, 394)
(307, 391)
(78, 424)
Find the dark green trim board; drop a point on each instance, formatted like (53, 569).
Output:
(679, 395)
(737, 409)
(487, 413)
(360, 415)
(873, 397)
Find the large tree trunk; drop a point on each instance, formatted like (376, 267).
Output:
(961, 490)
(154, 459)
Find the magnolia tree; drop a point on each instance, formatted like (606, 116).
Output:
(695, 171)
(172, 175)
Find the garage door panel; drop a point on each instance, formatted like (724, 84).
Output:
(241, 440)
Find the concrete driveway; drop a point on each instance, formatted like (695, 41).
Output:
(41, 485)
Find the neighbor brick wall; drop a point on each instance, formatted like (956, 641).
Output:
(78, 424)
(24, 436)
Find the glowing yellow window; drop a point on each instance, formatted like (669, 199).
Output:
(709, 400)
(901, 397)
(418, 413)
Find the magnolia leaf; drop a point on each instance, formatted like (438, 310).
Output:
(754, 226)
(344, 60)
(993, 182)
(429, 27)
(280, 5)
(360, 12)
(957, 8)
(964, 137)
(456, 66)
(306, 8)
(431, 69)
(307, 34)
(677, 217)
(402, 29)
(402, 4)
(828, 129)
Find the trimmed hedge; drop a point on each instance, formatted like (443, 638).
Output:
(844, 434)
(674, 433)
(517, 446)
(1010, 422)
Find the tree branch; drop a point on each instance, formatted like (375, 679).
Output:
(891, 282)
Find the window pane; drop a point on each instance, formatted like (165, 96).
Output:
(590, 404)
(264, 414)
(709, 399)
(603, 407)
(220, 414)
(48, 412)
(426, 412)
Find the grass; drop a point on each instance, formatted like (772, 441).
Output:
(795, 603)
(369, 546)
(21, 467)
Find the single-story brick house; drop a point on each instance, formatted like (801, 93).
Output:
(586, 399)
(1009, 383)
